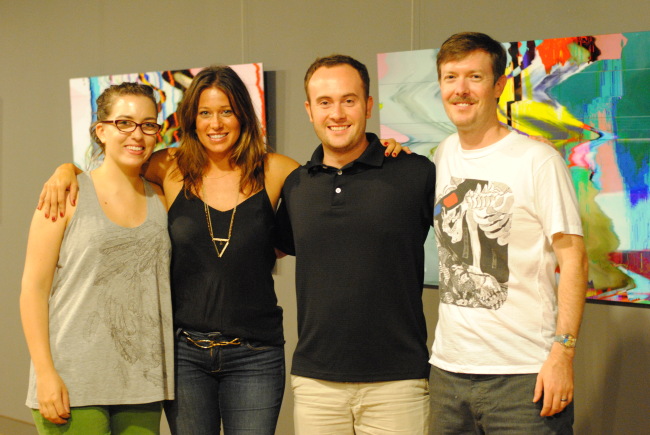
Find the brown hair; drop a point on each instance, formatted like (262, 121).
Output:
(458, 46)
(105, 105)
(335, 60)
(248, 152)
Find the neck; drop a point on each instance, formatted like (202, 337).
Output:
(337, 158)
(216, 167)
(118, 175)
(476, 139)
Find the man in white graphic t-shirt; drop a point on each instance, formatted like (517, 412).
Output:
(506, 217)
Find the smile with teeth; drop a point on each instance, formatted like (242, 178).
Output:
(135, 148)
(462, 103)
(338, 127)
(217, 136)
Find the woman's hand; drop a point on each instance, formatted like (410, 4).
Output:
(393, 148)
(55, 191)
(53, 399)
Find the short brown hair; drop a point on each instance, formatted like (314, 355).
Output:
(335, 60)
(458, 46)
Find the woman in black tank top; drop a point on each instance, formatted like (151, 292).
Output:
(223, 188)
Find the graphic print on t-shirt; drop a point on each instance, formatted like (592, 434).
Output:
(472, 224)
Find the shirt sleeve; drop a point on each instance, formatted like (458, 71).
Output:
(556, 199)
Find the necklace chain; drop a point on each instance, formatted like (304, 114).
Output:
(223, 242)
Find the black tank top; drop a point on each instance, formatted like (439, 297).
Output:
(233, 294)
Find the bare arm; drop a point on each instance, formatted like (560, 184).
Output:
(42, 255)
(555, 379)
(52, 200)
(276, 170)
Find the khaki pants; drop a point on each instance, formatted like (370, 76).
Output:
(341, 408)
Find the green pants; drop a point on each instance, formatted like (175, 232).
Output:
(143, 419)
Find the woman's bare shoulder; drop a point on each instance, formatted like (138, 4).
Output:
(278, 165)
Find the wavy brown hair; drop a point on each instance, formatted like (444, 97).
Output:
(248, 152)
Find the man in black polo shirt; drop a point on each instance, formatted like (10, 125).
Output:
(357, 223)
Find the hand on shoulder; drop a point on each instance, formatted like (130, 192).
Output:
(159, 165)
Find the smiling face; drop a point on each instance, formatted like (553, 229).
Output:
(338, 109)
(469, 92)
(217, 127)
(133, 148)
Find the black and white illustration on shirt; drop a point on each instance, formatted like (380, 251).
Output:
(129, 315)
(472, 223)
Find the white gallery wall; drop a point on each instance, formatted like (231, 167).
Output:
(45, 43)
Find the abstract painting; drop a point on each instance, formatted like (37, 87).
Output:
(170, 86)
(588, 95)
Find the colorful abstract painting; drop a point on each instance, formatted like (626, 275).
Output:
(589, 96)
(170, 86)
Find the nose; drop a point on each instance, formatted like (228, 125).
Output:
(337, 111)
(461, 87)
(137, 133)
(215, 121)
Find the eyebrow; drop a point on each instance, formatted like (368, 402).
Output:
(129, 117)
(221, 107)
(350, 94)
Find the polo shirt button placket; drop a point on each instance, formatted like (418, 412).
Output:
(338, 196)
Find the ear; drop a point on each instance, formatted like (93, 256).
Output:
(308, 109)
(99, 131)
(499, 86)
(369, 103)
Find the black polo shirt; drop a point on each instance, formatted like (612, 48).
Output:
(358, 234)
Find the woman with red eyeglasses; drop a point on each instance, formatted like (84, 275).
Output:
(95, 300)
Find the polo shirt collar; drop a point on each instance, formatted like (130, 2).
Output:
(372, 156)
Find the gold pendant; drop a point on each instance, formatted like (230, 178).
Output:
(221, 242)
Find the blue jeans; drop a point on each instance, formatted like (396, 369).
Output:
(491, 404)
(239, 385)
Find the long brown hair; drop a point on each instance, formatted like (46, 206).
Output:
(248, 152)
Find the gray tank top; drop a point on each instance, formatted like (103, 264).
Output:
(111, 331)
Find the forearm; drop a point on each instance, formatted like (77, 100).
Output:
(34, 312)
(572, 291)
(572, 288)
(70, 167)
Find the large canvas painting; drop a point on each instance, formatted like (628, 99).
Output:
(169, 84)
(589, 96)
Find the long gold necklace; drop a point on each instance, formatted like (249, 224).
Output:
(223, 243)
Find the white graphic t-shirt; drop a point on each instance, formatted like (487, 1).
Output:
(496, 211)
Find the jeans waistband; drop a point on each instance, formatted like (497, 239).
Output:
(207, 340)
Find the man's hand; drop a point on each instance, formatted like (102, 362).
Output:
(555, 381)
(55, 191)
